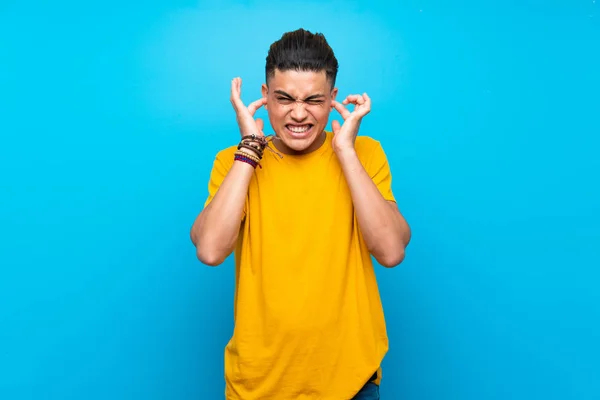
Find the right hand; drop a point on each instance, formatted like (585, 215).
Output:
(245, 115)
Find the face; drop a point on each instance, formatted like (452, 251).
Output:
(298, 104)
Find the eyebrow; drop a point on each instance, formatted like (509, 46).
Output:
(311, 97)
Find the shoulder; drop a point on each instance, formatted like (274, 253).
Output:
(227, 152)
(223, 161)
(225, 156)
(366, 143)
(368, 148)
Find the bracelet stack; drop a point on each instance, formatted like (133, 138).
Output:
(256, 145)
(247, 158)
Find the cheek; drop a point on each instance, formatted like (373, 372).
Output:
(321, 116)
(275, 111)
(274, 117)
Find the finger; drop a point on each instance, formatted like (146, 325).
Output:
(349, 99)
(344, 112)
(354, 99)
(255, 105)
(335, 125)
(341, 109)
(365, 107)
(367, 98)
(260, 124)
(236, 93)
(235, 88)
(367, 101)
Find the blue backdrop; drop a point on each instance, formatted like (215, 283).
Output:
(111, 115)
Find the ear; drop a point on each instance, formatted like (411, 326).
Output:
(265, 92)
(334, 93)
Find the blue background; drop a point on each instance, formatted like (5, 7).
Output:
(111, 115)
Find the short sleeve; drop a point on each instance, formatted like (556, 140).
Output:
(378, 169)
(221, 166)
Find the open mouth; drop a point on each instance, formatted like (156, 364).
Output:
(299, 130)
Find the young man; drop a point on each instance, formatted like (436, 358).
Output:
(304, 211)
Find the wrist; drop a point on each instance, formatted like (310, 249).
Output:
(345, 152)
(253, 144)
(248, 159)
(247, 151)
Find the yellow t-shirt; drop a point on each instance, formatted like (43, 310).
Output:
(309, 322)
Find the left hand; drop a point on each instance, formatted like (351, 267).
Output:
(345, 135)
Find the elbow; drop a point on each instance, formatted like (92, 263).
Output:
(206, 253)
(396, 252)
(392, 249)
(209, 257)
(391, 258)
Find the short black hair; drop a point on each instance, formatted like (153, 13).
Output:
(302, 50)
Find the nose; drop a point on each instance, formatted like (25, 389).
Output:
(298, 113)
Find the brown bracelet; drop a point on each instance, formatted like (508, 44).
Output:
(247, 158)
(255, 150)
(258, 144)
(260, 139)
(243, 153)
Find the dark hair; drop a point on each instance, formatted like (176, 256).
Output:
(302, 50)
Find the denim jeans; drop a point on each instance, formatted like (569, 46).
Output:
(369, 392)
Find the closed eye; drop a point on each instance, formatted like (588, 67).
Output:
(285, 100)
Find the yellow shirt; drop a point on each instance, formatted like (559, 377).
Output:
(309, 322)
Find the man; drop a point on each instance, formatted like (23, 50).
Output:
(304, 211)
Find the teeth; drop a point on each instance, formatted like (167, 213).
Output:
(298, 129)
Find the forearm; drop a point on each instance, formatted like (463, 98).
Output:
(216, 229)
(383, 227)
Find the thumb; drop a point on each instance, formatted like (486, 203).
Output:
(260, 125)
(335, 125)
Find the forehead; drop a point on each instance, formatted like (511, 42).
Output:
(299, 83)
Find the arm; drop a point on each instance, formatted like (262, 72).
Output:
(215, 231)
(383, 227)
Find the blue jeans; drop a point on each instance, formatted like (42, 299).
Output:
(369, 392)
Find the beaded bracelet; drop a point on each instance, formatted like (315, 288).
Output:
(247, 159)
(256, 144)
(256, 150)
(261, 140)
(247, 155)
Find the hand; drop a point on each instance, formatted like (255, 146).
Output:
(245, 115)
(345, 135)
